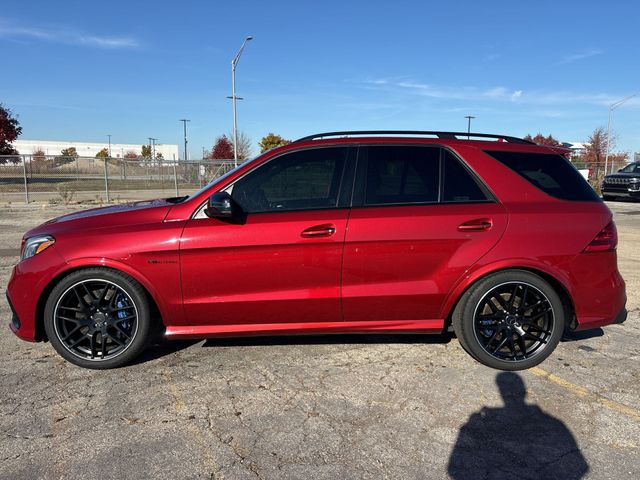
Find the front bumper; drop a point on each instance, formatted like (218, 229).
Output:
(28, 282)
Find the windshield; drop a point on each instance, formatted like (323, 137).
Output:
(214, 181)
(631, 168)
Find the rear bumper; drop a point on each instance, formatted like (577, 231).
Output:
(621, 317)
(599, 292)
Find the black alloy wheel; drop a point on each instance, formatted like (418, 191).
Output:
(514, 321)
(98, 318)
(510, 320)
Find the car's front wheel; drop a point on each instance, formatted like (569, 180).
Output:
(511, 320)
(98, 318)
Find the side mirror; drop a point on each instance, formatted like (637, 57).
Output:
(620, 170)
(221, 206)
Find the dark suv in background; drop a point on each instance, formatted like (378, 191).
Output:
(625, 183)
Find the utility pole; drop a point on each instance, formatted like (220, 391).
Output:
(109, 145)
(233, 98)
(184, 121)
(469, 118)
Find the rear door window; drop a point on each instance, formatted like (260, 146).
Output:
(402, 175)
(458, 184)
(553, 174)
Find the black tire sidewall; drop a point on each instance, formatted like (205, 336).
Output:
(135, 292)
(463, 319)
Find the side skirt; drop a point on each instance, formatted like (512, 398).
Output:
(304, 328)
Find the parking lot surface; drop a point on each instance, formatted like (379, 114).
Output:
(369, 406)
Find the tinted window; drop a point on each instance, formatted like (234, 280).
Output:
(458, 183)
(307, 179)
(402, 175)
(553, 174)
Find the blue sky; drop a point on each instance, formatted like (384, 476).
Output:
(78, 70)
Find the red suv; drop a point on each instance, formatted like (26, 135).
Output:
(497, 239)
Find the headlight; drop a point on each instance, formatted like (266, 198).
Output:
(36, 245)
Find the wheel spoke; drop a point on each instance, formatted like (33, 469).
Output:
(501, 344)
(502, 302)
(69, 319)
(511, 345)
(72, 309)
(512, 298)
(104, 293)
(73, 330)
(117, 327)
(535, 317)
(103, 345)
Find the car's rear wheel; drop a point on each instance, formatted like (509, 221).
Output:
(98, 318)
(511, 320)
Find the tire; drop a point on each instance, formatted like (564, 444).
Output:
(510, 320)
(98, 318)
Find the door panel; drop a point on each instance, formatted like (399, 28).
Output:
(400, 262)
(264, 271)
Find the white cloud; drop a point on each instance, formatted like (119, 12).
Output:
(592, 52)
(499, 94)
(66, 36)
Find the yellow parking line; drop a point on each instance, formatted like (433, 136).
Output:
(583, 392)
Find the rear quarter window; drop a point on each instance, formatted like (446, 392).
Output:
(553, 174)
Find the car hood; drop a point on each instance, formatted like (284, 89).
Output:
(105, 217)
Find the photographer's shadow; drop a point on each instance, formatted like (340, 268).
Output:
(518, 441)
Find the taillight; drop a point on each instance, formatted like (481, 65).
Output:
(605, 241)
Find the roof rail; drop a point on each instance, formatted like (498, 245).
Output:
(447, 135)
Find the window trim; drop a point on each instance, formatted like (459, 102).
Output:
(349, 170)
(358, 199)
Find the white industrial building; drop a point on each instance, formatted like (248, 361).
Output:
(90, 149)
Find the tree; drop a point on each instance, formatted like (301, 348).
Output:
(542, 140)
(244, 146)
(146, 151)
(271, 140)
(38, 155)
(10, 130)
(159, 156)
(222, 149)
(104, 153)
(69, 152)
(595, 151)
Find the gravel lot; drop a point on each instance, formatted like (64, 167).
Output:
(367, 406)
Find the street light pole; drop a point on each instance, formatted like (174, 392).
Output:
(152, 144)
(109, 145)
(612, 107)
(184, 121)
(469, 117)
(234, 63)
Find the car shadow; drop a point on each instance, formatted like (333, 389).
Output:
(517, 441)
(162, 349)
(582, 335)
(335, 339)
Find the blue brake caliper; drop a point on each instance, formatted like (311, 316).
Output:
(121, 302)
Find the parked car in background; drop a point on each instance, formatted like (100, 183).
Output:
(623, 184)
(489, 236)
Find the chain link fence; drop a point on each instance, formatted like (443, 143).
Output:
(57, 179)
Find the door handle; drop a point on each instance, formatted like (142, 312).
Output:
(476, 225)
(324, 230)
